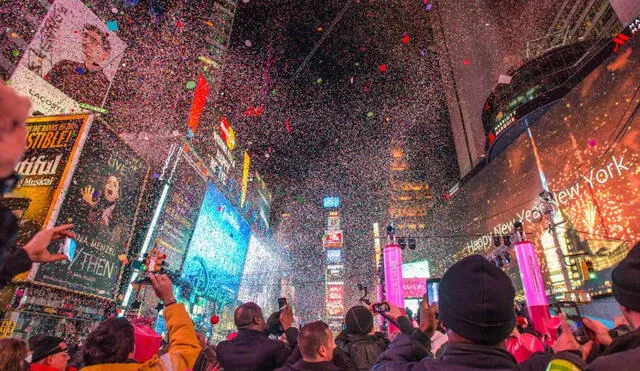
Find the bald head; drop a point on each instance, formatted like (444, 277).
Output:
(249, 316)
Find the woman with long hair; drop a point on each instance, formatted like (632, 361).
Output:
(12, 354)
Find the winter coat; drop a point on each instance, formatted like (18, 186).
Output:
(302, 365)
(340, 359)
(252, 350)
(183, 347)
(363, 350)
(13, 260)
(207, 360)
(405, 353)
(38, 367)
(621, 355)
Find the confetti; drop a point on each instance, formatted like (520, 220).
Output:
(190, 85)
(382, 68)
(248, 43)
(112, 25)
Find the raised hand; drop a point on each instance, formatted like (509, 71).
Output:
(37, 250)
(87, 195)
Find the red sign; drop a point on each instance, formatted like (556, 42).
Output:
(227, 134)
(335, 300)
(414, 287)
(199, 101)
(333, 239)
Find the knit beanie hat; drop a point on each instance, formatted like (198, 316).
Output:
(47, 346)
(359, 320)
(476, 301)
(625, 280)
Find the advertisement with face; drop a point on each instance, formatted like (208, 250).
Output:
(72, 58)
(216, 255)
(102, 201)
(51, 144)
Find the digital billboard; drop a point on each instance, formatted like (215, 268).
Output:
(333, 238)
(180, 212)
(334, 256)
(263, 270)
(216, 255)
(102, 201)
(335, 299)
(586, 149)
(329, 202)
(71, 59)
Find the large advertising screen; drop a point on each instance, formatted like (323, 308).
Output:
(72, 58)
(178, 218)
(587, 150)
(52, 142)
(102, 201)
(216, 256)
(260, 281)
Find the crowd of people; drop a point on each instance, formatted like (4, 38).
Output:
(468, 329)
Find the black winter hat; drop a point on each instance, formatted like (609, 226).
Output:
(47, 346)
(359, 320)
(625, 280)
(476, 301)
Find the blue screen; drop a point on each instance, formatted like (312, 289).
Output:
(217, 252)
(331, 202)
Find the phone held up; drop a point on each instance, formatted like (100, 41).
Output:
(381, 308)
(68, 248)
(282, 302)
(432, 290)
(574, 319)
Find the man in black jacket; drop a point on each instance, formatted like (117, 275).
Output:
(358, 341)
(476, 306)
(317, 346)
(14, 110)
(622, 353)
(252, 350)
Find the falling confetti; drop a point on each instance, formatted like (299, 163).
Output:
(112, 25)
(382, 68)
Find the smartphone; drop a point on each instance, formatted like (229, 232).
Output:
(574, 319)
(381, 308)
(69, 248)
(432, 290)
(282, 302)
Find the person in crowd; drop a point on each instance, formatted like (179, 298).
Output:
(316, 345)
(50, 353)
(207, 359)
(622, 353)
(110, 346)
(14, 110)
(476, 307)
(12, 354)
(360, 343)
(31, 344)
(252, 349)
(439, 338)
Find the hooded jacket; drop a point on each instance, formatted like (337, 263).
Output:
(252, 350)
(363, 350)
(622, 354)
(183, 347)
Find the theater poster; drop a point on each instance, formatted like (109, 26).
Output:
(72, 59)
(52, 143)
(102, 201)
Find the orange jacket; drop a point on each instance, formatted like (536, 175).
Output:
(183, 347)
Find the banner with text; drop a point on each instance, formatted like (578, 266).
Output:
(102, 202)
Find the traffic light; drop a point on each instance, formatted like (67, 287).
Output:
(506, 240)
(402, 241)
(411, 242)
(497, 241)
(591, 272)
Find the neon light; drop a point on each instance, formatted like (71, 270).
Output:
(147, 239)
(93, 108)
(393, 283)
(533, 285)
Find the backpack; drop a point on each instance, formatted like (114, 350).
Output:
(364, 351)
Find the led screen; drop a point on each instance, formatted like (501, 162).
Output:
(216, 255)
(331, 202)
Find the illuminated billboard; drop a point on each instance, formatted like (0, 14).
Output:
(335, 300)
(333, 239)
(216, 255)
(331, 202)
(102, 201)
(261, 277)
(71, 59)
(586, 149)
(334, 256)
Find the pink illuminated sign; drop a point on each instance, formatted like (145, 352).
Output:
(530, 274)
(414, 287)
(393, 284)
